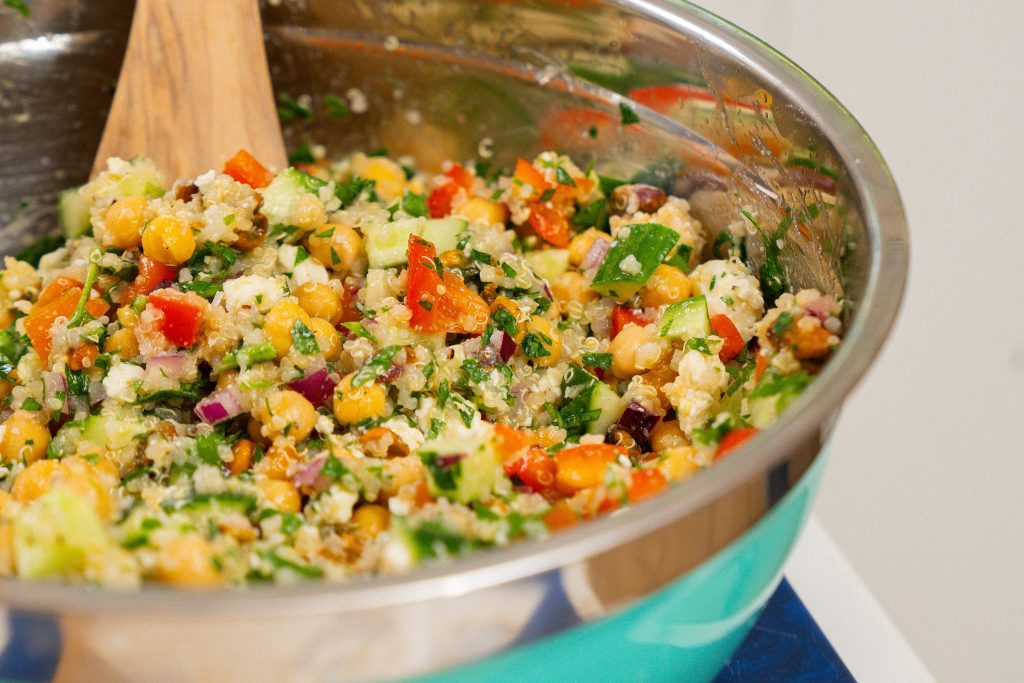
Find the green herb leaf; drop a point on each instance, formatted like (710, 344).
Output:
(303, 154)
(376, 366)
(563, 177)
(289, 108)
(336, 106)
(533, 347)
(360, 330)
(627, 114)
(304, 340)
(598, 360)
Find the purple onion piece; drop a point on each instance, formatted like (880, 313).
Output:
(822, 307)
(316, 387)
(52, 383)
(638, 421)
(309, 473)
(171, 364)
(595, 255)
(219, 406)
(504, 344)
(97, 392)
(449, 459)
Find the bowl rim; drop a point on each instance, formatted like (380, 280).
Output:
(888, 262)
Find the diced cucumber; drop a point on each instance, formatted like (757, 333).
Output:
(111, 432)
(549, 263)
(686, 319)
(388, 245)
(73, 210)
(604, 399)
(412, 542)
(55, 534)
(763, 411)
(444, 232)
(227, 501)
(634, 254)
(462, 471)
(281, 197)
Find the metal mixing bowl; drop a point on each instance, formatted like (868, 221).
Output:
(668, 587)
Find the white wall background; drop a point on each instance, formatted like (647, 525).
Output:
(925, 491)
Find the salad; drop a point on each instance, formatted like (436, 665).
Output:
(352, 368)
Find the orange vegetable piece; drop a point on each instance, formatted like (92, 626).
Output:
(244, 168)
(83, 356)
(734, 440)
(645, 483)
(723, 327)
(440, 302)
(550, 224)
(581, 467)
(560, 516)
(528, 174)
(510, 440)
(41, 319)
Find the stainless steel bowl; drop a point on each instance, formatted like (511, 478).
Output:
(442, 79)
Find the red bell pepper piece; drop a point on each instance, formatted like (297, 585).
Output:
(184, 314)
(151, 274)
(645, 483)
(734, 440)
(439, 300)
(624, 316)
(723, 327)
(244, 168)
(550, 224)
(527, 174)
(536, 469)
(439, 203)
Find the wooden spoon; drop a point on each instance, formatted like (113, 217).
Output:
(194, 89)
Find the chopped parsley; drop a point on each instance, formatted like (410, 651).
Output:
(597, 360)
(304, 340)
(627, 114)
(376, 366)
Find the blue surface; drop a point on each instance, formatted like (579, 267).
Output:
(785, 645)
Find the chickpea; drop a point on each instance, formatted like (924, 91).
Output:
(581, 243)
(389, 178)
(281, 495)
(338, 247)
(327, 338)
(355, 404)
(187, 561)
(667, 434)
(124, 220)
(634, 350)
(483, 211)
(168, 240)
(123, 343)
(543, 330)
(88, 481)
(677, 463)
(571, 287)
(287, 413)
(35, 480)
(128, 317)
(25, 436)
(278, 324)
(667, 285)
(319, 301)
(372, 519)
(278, 460)
(241, 456)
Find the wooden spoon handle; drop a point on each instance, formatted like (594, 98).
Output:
(194, 88)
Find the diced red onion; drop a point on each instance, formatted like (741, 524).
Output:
(450, 459)
(219, 406)
(638, 421)
(504, 344)
(595, 255)
(309, 474)
(172, 365)
(77, 404)
(97, 392)
(316, 387)
(52, 383)
(547, 290)
(823, 307)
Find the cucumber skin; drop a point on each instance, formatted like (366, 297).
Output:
(686, 319)
(73, 213)
(609, 403)
(649, 244)
(388, 245)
